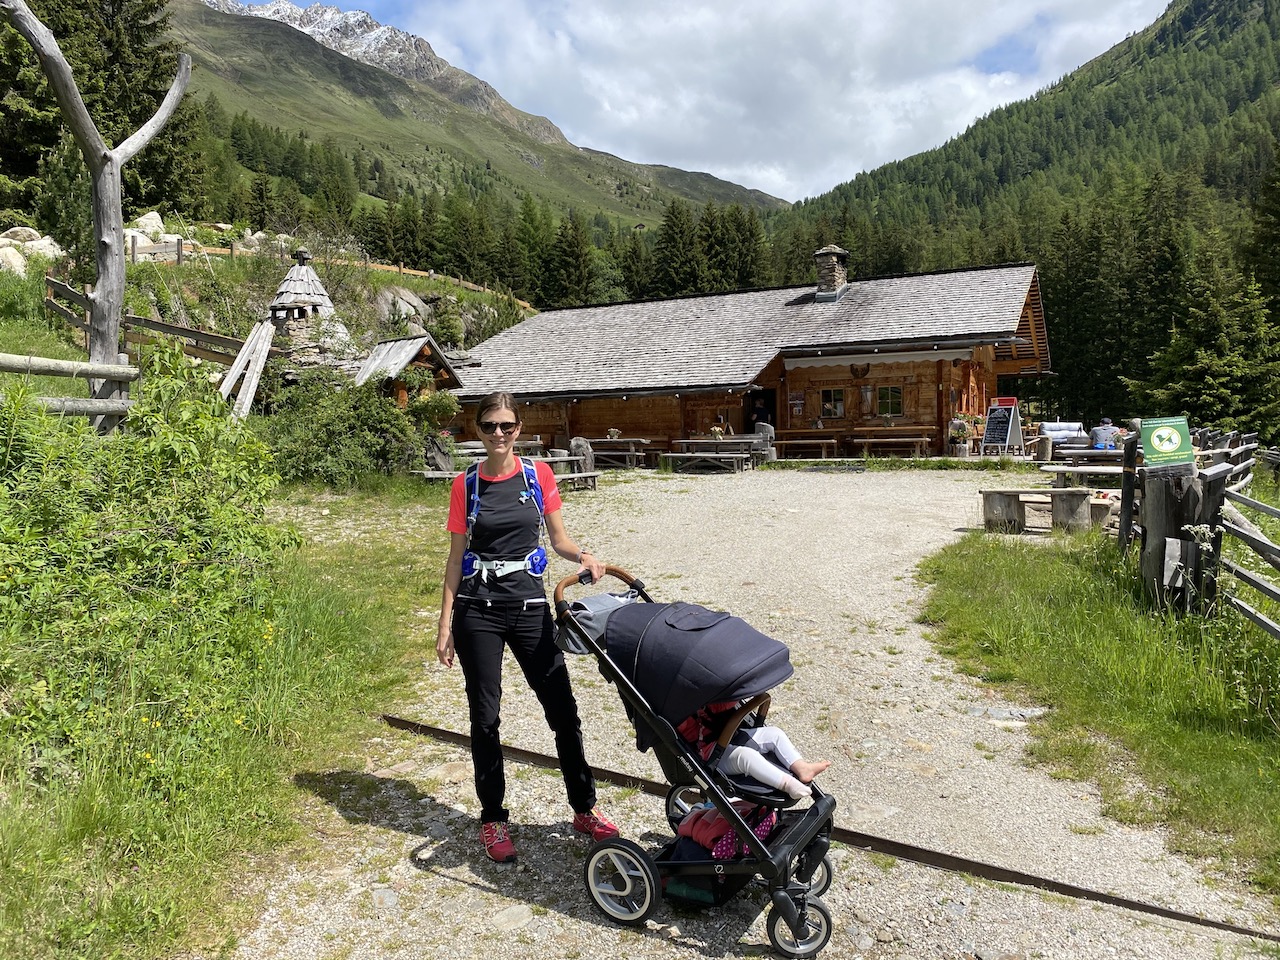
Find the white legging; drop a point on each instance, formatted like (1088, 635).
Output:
(750, 760)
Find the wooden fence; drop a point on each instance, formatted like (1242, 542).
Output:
(1182, 521)
(105, 411)
(213, 347)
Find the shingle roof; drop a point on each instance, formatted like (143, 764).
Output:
(389, 357)
(725, 340)
(301, 287)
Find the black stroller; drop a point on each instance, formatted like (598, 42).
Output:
(668, 661)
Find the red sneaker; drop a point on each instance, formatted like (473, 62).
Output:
(497, 842)
(595, 823)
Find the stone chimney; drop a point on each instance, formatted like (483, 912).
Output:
(833, 276)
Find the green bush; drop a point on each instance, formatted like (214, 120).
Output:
(141, 651)
(323, 429)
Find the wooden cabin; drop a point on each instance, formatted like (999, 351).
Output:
(390, 358)
(893, 357)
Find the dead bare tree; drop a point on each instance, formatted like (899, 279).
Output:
(104, 165)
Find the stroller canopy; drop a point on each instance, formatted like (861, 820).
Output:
(682, 656)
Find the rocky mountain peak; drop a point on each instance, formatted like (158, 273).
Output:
(358, 35)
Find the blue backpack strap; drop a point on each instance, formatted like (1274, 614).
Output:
(471, 487)
(532, 485)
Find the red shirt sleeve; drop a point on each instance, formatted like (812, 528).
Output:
(551, 501)
(457, 522)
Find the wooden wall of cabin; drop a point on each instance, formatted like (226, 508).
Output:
(659, 419)
(844, 396)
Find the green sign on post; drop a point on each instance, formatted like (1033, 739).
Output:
(1166, 446)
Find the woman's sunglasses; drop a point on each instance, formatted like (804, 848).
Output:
(487, 427)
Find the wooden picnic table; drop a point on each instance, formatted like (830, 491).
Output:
(1066, 476)
(749, 446)
(807, 438)
(917, 437)
(626, 452)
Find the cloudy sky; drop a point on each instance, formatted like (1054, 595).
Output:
(791, 97)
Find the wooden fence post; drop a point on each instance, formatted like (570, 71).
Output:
(181, 247)
(133, 248)
(1181, 522)
(1128, 487)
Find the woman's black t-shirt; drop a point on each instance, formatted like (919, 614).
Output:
(506, 528)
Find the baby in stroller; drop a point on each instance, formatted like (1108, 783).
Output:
(748, 752)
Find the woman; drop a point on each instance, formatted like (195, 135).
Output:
(494, 597)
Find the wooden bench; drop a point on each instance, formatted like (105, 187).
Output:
(918, 444)
(690, 462)
(1071, 508)
(1064, 476)
(578, 480)
(822, 446)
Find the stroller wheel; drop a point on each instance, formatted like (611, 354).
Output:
(816, 934)
(680, 800)
(820, 882)
(622, 880)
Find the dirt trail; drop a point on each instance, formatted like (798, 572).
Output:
(823, 562)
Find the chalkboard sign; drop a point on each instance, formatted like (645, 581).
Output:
(1004, 428)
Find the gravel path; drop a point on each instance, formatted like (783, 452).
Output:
(823, 562)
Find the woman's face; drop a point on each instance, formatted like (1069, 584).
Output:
(499, 441)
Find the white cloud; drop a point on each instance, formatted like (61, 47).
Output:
(788, 97)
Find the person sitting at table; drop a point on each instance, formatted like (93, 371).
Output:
(1104, 435)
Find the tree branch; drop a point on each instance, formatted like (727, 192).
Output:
(58, 72)
(142, 136)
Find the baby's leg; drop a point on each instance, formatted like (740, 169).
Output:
(771, 739)
(748, 762)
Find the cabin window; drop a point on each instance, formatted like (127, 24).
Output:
(833, 403)
(889, 402)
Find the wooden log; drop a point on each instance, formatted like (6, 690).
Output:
(46, 366)
(213, 356)
(201, 337)
(86, 406)
(1070, 512)
(1004, 512)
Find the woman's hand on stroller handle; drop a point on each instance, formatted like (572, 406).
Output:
(583, 577)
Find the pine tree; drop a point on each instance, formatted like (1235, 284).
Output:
(572, 267)
(261, 202)
(678, 267)
(1221, 365)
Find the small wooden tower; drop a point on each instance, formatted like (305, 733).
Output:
(301, 301)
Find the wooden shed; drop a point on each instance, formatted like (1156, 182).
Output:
(898, 354)
(390, 358)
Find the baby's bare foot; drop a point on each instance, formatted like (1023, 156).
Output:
(806, 770)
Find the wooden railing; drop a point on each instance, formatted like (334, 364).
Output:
(1181, 518)
(106, 411)
(214, 347)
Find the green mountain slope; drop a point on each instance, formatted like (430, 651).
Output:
(283, 78)
(1195, 92)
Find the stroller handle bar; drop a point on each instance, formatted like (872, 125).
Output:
(558, 596)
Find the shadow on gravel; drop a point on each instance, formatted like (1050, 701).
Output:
(548, 875)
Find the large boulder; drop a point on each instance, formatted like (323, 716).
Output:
(20, 234)
(151, 224)
(396, 304)
(44, 247)
(12, 261)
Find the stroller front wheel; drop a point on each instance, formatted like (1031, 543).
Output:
(816, 934)
(622, 880)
